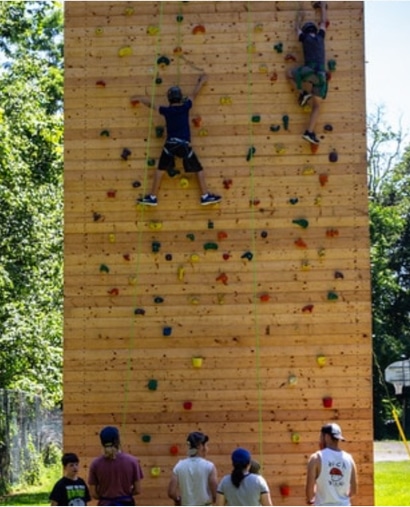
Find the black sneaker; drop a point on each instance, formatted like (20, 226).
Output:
(303, 98)
(148, 200)
(210, 199)
(310, 137)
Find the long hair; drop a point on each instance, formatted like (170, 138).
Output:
(238, 474)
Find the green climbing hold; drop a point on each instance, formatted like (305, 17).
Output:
(153, 385)
(105, 133)
(285, 120)
(332, 296)
(163, 60)
(159, 131)
(256, 118)
(210, 246)
(104, 268)
(151, 162)
(278, 47)
(274, 128)
(302, 222)
(191, 236)
(251, 153)
(331, 65)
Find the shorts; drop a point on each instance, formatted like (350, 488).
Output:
(181, 149)
(318, 80)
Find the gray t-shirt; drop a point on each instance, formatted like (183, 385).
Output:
(193, 474)
(249, 492)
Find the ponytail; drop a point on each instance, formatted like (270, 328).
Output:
(237, 475)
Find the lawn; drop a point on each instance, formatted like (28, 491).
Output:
(391, 486)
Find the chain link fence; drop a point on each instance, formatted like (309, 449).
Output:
(27, 434)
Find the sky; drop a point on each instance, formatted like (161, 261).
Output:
(387, 61)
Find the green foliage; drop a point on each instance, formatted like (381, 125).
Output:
(31, 197)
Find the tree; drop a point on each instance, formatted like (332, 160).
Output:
(31, 197)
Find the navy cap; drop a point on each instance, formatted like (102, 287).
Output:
(241, 457)
(110, 436)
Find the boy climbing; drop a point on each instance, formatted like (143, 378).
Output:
(310, 78)
(178, 143)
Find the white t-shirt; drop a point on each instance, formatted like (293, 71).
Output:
(249, 492)
(333, 483)
(193, 474)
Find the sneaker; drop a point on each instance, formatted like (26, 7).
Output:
(310, 137)
(303, 98)
(210, 199)
(148, 200)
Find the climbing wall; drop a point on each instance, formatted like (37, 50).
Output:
(248, 320)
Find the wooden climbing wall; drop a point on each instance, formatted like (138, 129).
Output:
(270, 288)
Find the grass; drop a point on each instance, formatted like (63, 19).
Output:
(390, 477)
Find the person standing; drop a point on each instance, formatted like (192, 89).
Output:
(311, 78)
(331, 472)
(178, 143)
(70, 489)
(194, 479)
(115, 477)
(242, 487)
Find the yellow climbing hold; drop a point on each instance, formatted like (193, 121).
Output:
(152, 30)
(181, 273)
(203, 132)
(308, 171)
(155, 225)
(318, 200)
(305, 265)
(184, 183)
(225, 101)
(263, 68)
(125, 51)
(194, 258)
(280, 148)
(111, 238)
(99, 31)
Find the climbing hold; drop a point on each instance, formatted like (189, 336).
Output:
(203, 132)
(198, 29)
(251, 48)
(321, 253)
(129, 11)
(173, 450)
(126, 257)
(181, 273)
(314, 148)
(251, 153)
(333, 156)
(284, 490)
(227, 184)
(194, 300)
(104, 268)
(155, 225)
(331, 65)
(222, 277)
(111, 193)
(256, 118)
(125, 153)
(111, 238)
(264, 298)
(327, 402)
(278, 47)
(307, 309)
(158, 300)
(332, 233)
(300, 243)
(226, 256)
(285, 121)
(210, 246)
(187, 405)
(197, 362)
(105, 133)
(339, 275)
(113, 292)
(317, 200)
(210, 224)
(152, 30)
(221, 299)
(125, 51)
(222, 235)
(97, 217)
(258, 28)
(321, 360)
(155, 246)
(163, 61)
(290, 58)
(264, 234)
(100, 84)
(151, 162)
(196, 121)
(226, 100)
(159, 131)
(263, 68)
(139, 311)
(134, 102)
(146, 438)
(302, 222)
(323, 179)
(280, 148)
(190, 236)
(305, 265)
(247, 255)
(180, 18)
(99, 31)
(168, 257)
(295, 437)
(194, 258)
(155, 471)
(273, 77)
(293, 200)
(173, 172)
(178, 51)
(328, 127)
(158, 80)
(308, 171)
(332, 296)
(292, 380)
(274, 128)
(167, 331)
(152, 385)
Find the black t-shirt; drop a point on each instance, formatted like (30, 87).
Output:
(69, 492)
(314, 49)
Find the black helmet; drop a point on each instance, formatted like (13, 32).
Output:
(309, 27)
(196, 438)
(174, 95)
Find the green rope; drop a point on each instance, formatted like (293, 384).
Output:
(253, 235)
(139, 239)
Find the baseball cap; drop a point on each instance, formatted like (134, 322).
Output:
(196, 438)
(110, 436)
(241, 456)
(333, 430)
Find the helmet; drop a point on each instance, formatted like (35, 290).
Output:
(174, 94)
(196, 438)
(309, 27)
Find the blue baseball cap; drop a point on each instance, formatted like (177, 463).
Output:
(110, 436)
(241, 456)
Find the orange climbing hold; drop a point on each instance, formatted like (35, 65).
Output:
(198, 29)
(323, 179)
(300, 243)
(223, 277)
